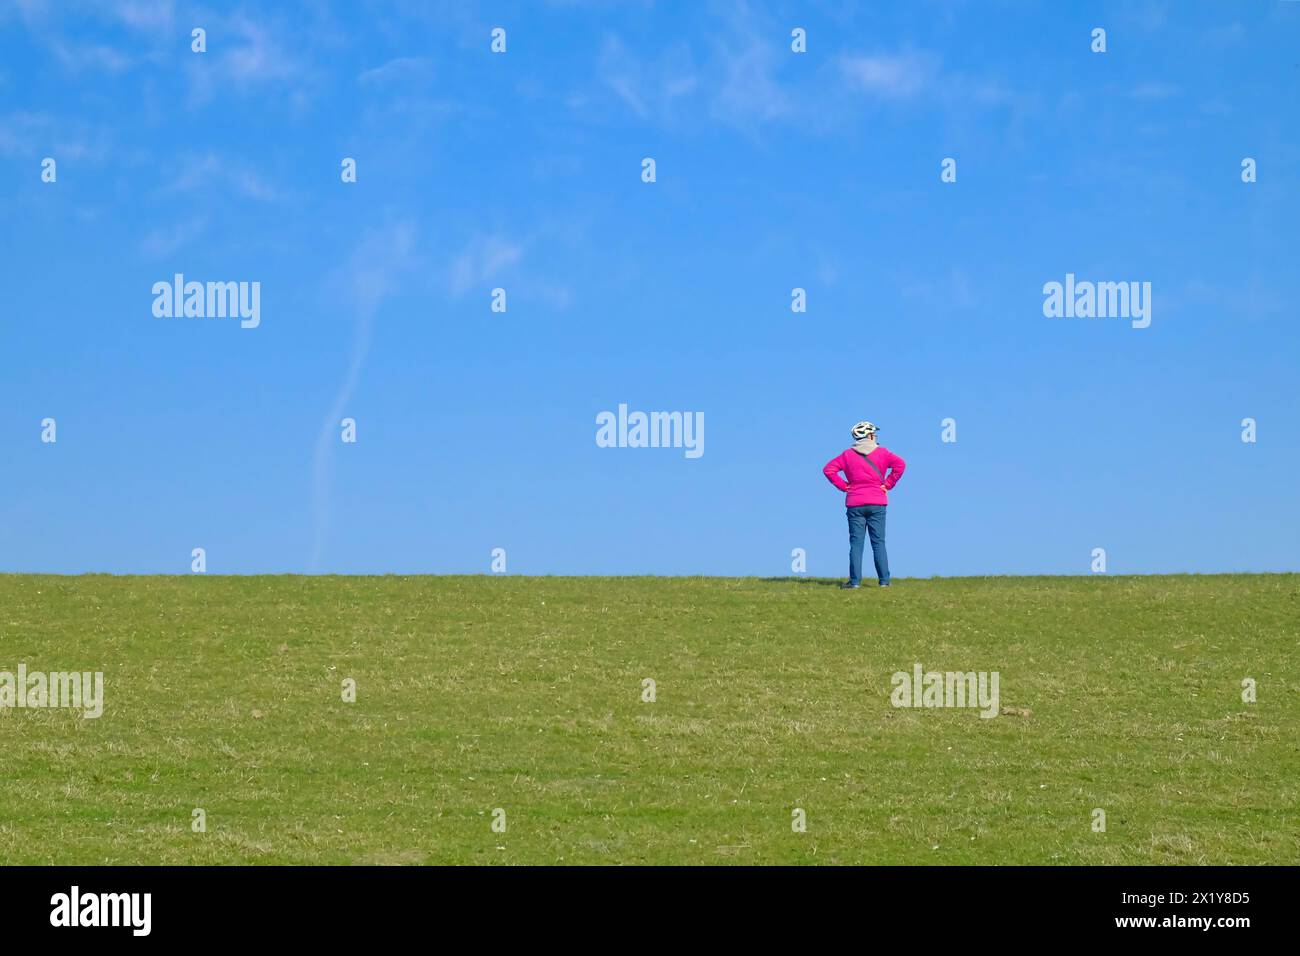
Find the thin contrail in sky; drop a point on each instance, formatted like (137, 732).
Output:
(368, 279)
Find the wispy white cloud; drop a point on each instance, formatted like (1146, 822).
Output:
(165, 240)
(404, 70)
(208, 171)
(31, 12)
(746, 85)
(40, 135)
(733, 81)
(890, 76)
(49, 25)
(91, 57)
(1149, 15)
(650, 88)
(154, 16)
(746, 76)
(246, 56)
(486, 258)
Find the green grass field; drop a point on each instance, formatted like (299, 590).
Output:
(525, 694)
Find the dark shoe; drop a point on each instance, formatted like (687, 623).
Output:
(849, 585)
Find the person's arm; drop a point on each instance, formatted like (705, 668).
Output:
(896, 468)
(832, 473)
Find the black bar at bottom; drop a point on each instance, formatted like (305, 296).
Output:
(944, 905)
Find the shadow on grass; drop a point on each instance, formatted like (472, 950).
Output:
(824, 582)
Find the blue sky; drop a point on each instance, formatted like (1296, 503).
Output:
(775, 170)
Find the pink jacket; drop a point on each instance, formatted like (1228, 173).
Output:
(863, 486)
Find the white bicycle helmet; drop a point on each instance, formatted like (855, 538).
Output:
(864, 430)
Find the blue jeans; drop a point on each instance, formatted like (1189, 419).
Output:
(866, 519)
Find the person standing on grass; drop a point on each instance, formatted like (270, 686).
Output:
(871, 471)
